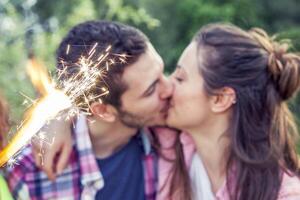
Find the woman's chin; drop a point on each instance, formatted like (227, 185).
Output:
(172, 120)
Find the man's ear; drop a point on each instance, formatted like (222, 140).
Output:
(103, 111)
(223, 100)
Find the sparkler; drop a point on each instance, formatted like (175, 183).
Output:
(76, 92)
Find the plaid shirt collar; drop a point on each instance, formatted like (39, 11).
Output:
(91, 176)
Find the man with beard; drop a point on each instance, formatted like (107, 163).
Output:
(111, 157)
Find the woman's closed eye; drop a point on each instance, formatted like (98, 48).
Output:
(178, 79)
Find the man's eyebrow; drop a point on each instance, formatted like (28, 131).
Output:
(178, 66)
(149, 88)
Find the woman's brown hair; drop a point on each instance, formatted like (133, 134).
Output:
(180, 187)
(4, 125)
(264, 75)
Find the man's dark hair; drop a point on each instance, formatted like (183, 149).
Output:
(122, 38)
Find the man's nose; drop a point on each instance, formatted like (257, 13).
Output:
(167, 88)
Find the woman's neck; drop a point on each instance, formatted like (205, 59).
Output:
(212, 144)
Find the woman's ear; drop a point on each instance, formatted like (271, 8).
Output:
(223, 100)
(104, 112)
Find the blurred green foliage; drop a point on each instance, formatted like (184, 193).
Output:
(39, 25)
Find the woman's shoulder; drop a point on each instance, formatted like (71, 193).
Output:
(290, 187)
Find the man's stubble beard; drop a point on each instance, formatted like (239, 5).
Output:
(131, 120)
(134, 121)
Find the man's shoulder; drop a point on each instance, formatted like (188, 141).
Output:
(18, 169)
(23, 162)
(24, 170)
(25, 175)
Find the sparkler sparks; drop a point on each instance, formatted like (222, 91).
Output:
(76, 92)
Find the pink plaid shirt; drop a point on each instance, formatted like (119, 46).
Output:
(81, 179)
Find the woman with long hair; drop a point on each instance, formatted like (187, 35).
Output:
(231, 93)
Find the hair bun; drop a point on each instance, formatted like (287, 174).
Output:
(288, 79)
(283, 66)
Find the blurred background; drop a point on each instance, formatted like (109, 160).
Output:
(37, 26)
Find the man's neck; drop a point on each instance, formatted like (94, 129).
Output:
(107, 138)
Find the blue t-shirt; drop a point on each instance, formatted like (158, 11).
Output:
(123, 173)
